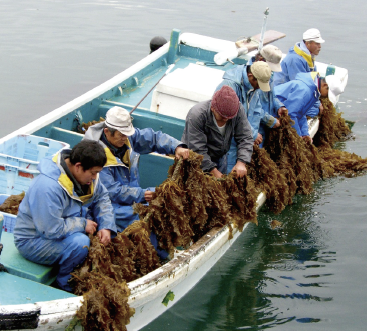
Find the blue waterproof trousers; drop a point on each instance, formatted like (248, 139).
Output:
(67, 253)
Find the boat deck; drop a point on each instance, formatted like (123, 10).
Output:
(27, 291)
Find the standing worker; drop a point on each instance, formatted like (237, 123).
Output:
(301, 58)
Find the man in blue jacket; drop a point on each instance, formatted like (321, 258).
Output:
(299, 95)
(270, 104)
(50, 226)
(247, 81)
(123, 145)
(301, 58)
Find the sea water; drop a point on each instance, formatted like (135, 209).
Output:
(310, 273)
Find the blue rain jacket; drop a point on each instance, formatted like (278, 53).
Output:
(51, 209)
(251, 100)
(123, 181)
(269, 102)
(297, 60)
(50, 226)
(298, 95)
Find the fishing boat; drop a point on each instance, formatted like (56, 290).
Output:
(26, 299)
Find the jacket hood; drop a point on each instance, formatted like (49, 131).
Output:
(238, 74)
(306, 77)
(94, 132)
(51, 167)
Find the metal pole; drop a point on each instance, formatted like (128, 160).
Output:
(166, 73)
(263, 29)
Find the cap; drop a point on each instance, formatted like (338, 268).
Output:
(262, 73)
(273, 56)
(225, 102)
(119, 119)
(335, 87)
(313, 35)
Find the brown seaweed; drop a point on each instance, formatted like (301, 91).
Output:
(268, 178)
(11, 203)
(332, 126)
(190, 203)
(296, 158)
(84, 126)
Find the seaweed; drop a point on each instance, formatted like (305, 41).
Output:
(332, 127)
(11, 203)
(105, 306)
(268, 178)
(190, 202)
(84, 126)
(296, 158)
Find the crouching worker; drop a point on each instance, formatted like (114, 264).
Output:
(211, 125)
(50, 228)
(123, 145)
(300, 94)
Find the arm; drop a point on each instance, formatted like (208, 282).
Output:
(269, 120)
(102, 208)
(196, 138)
(118, 192)
(303, 126)
(315, 109)
(255, 114)
(147, 140)
(243, 137)
(295, 104)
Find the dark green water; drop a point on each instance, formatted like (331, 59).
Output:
(308, 275)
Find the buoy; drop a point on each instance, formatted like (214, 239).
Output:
(156, 43)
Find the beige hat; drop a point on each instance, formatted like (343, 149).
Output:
(272, 55)
(119, 119)
(335, 87)
(262, 73)
(313, 35)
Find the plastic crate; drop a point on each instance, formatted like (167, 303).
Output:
(25, 151)
(15, 180)
(9, 219)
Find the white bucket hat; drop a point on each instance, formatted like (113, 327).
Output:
(119, 119)
(335, 88)
(272, 55)
(313, 35)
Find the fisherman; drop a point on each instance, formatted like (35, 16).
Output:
(272, 55)
(51, 227)
(301, 58)
(247, 81)
(300, 94)
(123, 145)
(211, 125)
